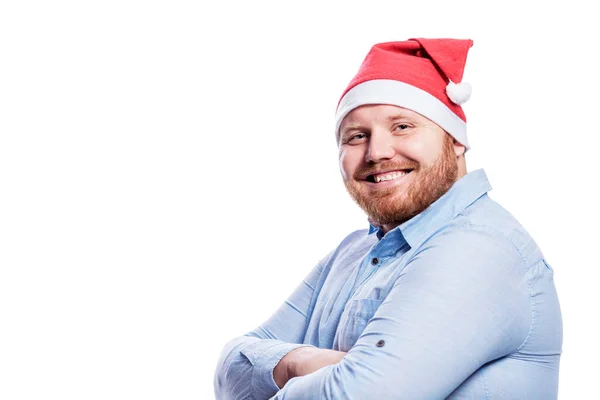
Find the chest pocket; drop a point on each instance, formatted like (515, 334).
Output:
(353, 322)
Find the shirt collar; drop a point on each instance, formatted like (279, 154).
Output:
(462, 194)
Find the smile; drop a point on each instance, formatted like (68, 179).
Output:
(387, 176)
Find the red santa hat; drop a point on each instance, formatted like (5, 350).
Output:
(423, 75)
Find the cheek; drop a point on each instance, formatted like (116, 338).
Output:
(349, 160)
(423, 151)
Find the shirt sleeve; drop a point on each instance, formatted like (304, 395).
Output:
(461, 301)
(245, 366)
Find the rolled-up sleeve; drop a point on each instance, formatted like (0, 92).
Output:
(245, 366)
(461, 301)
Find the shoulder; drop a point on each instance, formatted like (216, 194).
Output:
(468, 248)
(487, 222)
(356, 241)
(351, 248)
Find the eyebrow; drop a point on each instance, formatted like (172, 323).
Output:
(397, 116)
(353, 127)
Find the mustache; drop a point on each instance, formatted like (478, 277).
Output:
(366, 170)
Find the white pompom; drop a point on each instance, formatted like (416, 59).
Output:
(459, 93)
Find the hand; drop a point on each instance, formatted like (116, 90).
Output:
(303, 361)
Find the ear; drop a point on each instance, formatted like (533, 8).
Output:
(459, 149)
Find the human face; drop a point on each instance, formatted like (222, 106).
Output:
(395, 162)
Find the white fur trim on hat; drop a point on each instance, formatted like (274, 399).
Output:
(392, 92)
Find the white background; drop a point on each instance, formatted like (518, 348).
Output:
(168, 172)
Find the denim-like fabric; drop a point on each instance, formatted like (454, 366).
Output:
(459, 304)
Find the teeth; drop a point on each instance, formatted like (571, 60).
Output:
(389, 177)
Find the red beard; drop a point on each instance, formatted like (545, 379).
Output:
(395, 205)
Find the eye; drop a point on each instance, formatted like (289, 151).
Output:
(401, 127)
(358, 138)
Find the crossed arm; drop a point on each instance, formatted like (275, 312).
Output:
(441, 320)
(246, 367)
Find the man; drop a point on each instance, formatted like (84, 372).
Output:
(445, 296)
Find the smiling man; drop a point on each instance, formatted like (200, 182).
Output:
(444, 296)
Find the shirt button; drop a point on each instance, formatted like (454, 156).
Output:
(375, 261)
(381, 343)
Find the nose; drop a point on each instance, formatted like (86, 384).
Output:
(380, 147)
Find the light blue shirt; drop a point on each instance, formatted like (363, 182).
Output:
(456, 303)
